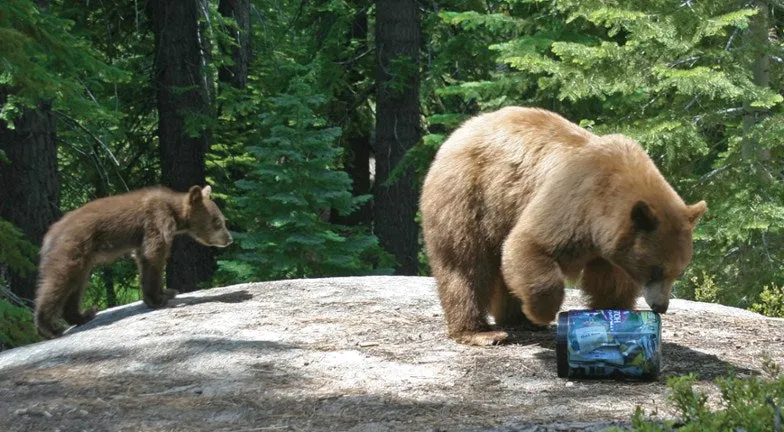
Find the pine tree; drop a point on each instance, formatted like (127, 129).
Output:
(287, 199)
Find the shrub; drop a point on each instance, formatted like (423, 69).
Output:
(16, 322)
(771, 301)
(747, 404)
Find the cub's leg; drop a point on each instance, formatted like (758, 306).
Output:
(151, 275)
(57, 286)
(71, 312)
(607, 286)
(464, 293)
(531, 274)
(151, 259)
(48, 306)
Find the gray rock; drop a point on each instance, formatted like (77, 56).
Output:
(365, 353)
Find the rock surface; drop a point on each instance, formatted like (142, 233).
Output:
(357, 354)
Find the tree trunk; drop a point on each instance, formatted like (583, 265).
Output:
(183, 99)
(29, 188)
(397, 128)
(237, 74)
(356, 132)
(760, 43)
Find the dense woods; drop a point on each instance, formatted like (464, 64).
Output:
(314, 122)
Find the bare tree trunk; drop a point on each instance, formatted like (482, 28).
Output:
(237, 74)
(183, 98)
(29, 188)
(760, 42)
(397, 128)
(356, 132)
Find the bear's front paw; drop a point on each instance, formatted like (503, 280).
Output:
(169, 293)
(539, 316)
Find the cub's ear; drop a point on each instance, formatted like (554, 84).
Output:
(205, 192)
(643, 217)
(695, 211)
(195, 194)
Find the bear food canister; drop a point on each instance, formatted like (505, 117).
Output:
(609, 344)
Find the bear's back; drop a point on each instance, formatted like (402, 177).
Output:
(111, 222)
(496, 164)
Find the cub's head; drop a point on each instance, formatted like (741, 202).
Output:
(206, 223)
(656, 247)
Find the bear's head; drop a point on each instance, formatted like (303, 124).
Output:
(206, 223)
(656, 247)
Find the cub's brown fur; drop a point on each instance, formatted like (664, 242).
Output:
(519, 200)
(143, 222)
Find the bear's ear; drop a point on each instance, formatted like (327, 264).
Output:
(643, 217)
(694, 211)
(195, 194)
(205, 192)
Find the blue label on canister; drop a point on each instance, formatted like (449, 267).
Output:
(609, 343)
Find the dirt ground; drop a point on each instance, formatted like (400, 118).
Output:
(343, 354)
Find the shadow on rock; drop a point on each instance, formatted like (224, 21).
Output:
(676, 360)
(680, 360)
(110, 316)
(230, 297)
(113, 315)
(543, 336)
(187, 348)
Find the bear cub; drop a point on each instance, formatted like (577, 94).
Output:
(143, 222)
(520, 200)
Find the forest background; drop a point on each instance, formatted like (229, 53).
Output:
(314, 122)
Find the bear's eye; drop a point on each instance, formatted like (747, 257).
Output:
(657, 274)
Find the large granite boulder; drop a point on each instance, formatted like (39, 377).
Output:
(361, 353)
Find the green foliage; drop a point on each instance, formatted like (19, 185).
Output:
(771, 301)
(287, 199)
(16, 322)
(15, 250)
(43, 59)
(283, 139)
(750, 404)
(705, 288)
(124, 279)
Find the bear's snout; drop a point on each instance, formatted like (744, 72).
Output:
(659, 308)
(222, 240)
(657, 296)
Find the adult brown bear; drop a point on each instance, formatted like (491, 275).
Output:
(144, 222)
(519, 200)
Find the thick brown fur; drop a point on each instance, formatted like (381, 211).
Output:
(143, 222)
(520, 200)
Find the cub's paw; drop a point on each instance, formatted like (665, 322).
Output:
(50, 331)
(169, 293)
(487, 338)
(89, 314)
(155, 301)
